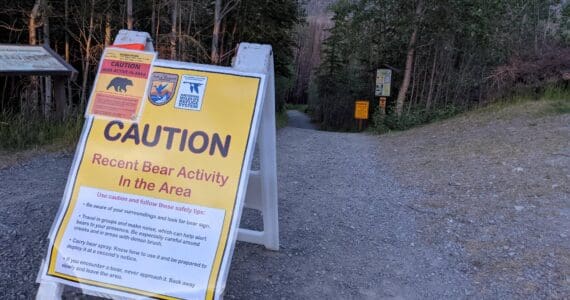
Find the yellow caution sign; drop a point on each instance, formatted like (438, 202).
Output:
(149, 204)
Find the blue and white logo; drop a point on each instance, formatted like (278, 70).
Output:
(195, 87)
(191, 92)
(162, 88)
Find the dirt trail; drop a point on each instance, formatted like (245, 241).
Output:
(345, 230)
(470, 208)
(298, 119)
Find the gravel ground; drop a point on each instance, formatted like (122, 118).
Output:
(495, 184)
(415, 215)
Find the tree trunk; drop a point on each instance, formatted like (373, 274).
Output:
(430, 91)
(174, 14)
(221, 45)
(28, 104)
(153, 21)
(181, 43)
(33, 37)
(66, 25)
(413, 93)
(546, 26)
(130, 19)
(215, 56)
(157, 30)
(87, 57)
(409, 62)
(67, 57)
(48, 101)
(108, 28)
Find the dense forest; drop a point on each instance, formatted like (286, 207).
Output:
(203, 31)
(445, 56)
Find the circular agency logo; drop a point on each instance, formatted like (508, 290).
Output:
(162, 87)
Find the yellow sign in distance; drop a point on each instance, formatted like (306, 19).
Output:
(166, 187)
(361, 110)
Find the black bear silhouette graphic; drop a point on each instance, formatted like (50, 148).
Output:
(120, 84)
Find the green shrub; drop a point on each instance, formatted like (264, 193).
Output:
(281, 119)
(414, 118)
(17, 132)
(300, 107)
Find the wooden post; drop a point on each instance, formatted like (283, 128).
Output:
(60, 98)
(382, 104)
(361, 111)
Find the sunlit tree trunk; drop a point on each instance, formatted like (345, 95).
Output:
(33, 37)
(215, 54)
(28, 104)
(67, 57)
(409, 62)
(87, 56)
(48, 101)
(130, 19)
(107, 29)
(173, 27)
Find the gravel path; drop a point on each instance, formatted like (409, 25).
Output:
(298, 119)
(29, 195)
(354, 224)
(344, 231)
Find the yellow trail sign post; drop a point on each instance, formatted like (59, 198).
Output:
(361, 111)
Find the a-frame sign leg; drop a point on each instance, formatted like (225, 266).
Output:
(262, 186)
(268, 165)
(49, 291)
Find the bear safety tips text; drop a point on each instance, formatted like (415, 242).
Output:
(141, 242)
(121, 84)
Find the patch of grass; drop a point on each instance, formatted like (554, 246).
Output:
(300, 107)
(556, 93)
(412, 119)
(20, 133)
(558, 100)
(553, 100)
(558, 107)
(282, 118)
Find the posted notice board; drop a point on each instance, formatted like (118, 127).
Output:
(23, 58)
(149, 208)
(121, 84)
(383, 82)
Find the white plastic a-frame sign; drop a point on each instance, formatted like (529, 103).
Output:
(152, 204)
